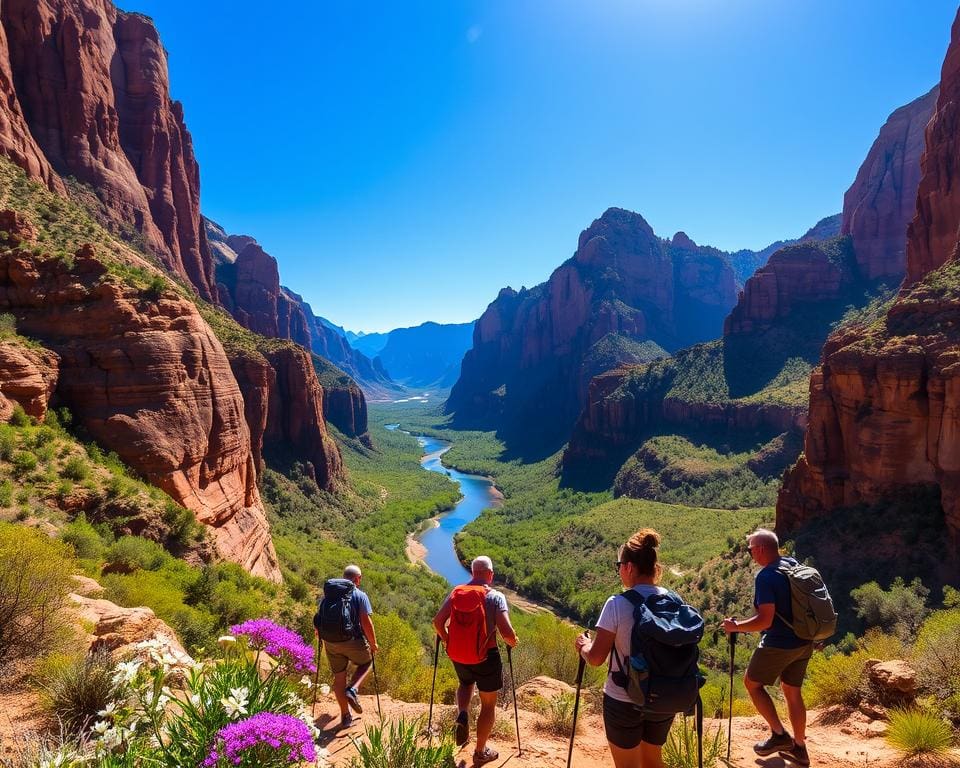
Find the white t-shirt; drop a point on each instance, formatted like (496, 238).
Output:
(617, 617)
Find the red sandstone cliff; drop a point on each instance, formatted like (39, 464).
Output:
(86, 93)
(148, 379)
(882, 199)
(885, 403)
(526, 366)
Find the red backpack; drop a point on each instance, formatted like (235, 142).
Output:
(467, 630)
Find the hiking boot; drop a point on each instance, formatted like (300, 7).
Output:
(353, 700)
(462, 732)
(487, 756)
(796, 754)
(776, 742)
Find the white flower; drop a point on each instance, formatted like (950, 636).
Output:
(236, 703)
(126, 671)
(109, 710)
(112, 737)
(306, 682)
(195, 699)
(325, 689)
(100, 727)
(226, 640)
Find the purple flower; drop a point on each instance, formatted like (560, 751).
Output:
(284, 733)
(281, 643)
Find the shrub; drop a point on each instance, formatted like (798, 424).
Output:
(8, 442)
(396, 746)
(918, 732)
(936, 654)
(34, 581)
(84, 539)
(680, 749)
(133, 553)
(75, 469)
(557, 712)
(24, 462)
(6, 493)
(899, 609)
(76, 689)
(19, 416)
(839, 678)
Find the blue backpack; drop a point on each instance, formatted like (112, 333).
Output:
(336, 619)
(661, 674)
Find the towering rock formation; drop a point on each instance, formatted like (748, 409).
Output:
(885, 403)
(90, 84)
(882, 199)
(147, 378)
(527, 364)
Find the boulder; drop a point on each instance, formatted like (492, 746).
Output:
(541, 687)
(894, 681)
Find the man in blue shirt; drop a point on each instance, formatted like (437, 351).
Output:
(780, 652)
(359, 650)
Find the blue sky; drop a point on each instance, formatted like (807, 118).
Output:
(405, 160)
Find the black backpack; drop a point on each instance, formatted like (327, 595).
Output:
(661, 673)
(336, 620)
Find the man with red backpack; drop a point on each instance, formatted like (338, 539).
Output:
(467, 623)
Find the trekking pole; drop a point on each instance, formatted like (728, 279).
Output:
(513, 684)
(733, 646)
(699, 721)
(433, 685)
(376, 684)
(316, 679)
(576, 707)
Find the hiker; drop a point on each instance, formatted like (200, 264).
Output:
(636, 732)
(780, 653)
(345, 628)
(467, 623)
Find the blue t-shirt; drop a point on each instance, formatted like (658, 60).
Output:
(360, 605)
(771, 586)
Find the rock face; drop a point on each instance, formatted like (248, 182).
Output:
(90, 84)
(146, 377)
(524, 368)
(27, 377)
(885, 403)
(882, 199)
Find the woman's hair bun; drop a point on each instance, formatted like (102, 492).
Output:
(647, 538)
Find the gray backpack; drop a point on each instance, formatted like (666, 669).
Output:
(814, 617)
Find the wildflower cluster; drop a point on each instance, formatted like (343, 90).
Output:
(255, 740)
(279, 642)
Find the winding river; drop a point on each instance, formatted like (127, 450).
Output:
(478, 494)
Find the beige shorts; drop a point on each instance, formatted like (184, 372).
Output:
(340, 654)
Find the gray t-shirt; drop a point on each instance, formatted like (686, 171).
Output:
(494, 604)
(617, 617)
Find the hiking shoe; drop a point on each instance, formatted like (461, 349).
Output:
(353, 700)
(346, 720)
(796, 754)
(487, 756)
(462, 733)
(776, 742)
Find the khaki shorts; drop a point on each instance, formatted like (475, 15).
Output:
(789, 664)
(339, 654)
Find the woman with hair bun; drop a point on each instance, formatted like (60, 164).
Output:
(635, 741)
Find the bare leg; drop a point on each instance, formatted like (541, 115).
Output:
(797, 710)
(764, 704)
(627, 758)
(488, 711)
(464, 694)
(651, 754)
(360, 675)
(339, 690)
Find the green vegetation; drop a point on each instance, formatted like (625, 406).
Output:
(680, 750)
(839, 678)
(899, 609)
(917, 732)
(75, 689)
(397, 745)
(557, 713)
(34, 581)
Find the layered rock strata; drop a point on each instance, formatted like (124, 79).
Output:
(146, 377)
(86, 94)
(885, 403)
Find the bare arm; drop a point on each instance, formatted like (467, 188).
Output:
(367, 624)
(506, 629)
(760, 621)
(595, 651)
(440, 622)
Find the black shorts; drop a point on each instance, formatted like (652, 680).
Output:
(626, 727)
(488, 674)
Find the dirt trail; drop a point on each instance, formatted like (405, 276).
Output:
(850, 743)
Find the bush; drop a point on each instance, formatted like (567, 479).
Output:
(402, 665)
(19, 417)
(24, 462)
(8, 442)
(839, 678)
(76, 689)
(680, 749)
(133, 553)
(936, 654)
(557, 712)
(6, 493)
(899, 609)
(75, 469)
(84, 539)
(396, 746)
(34, 582)
(917, 732)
